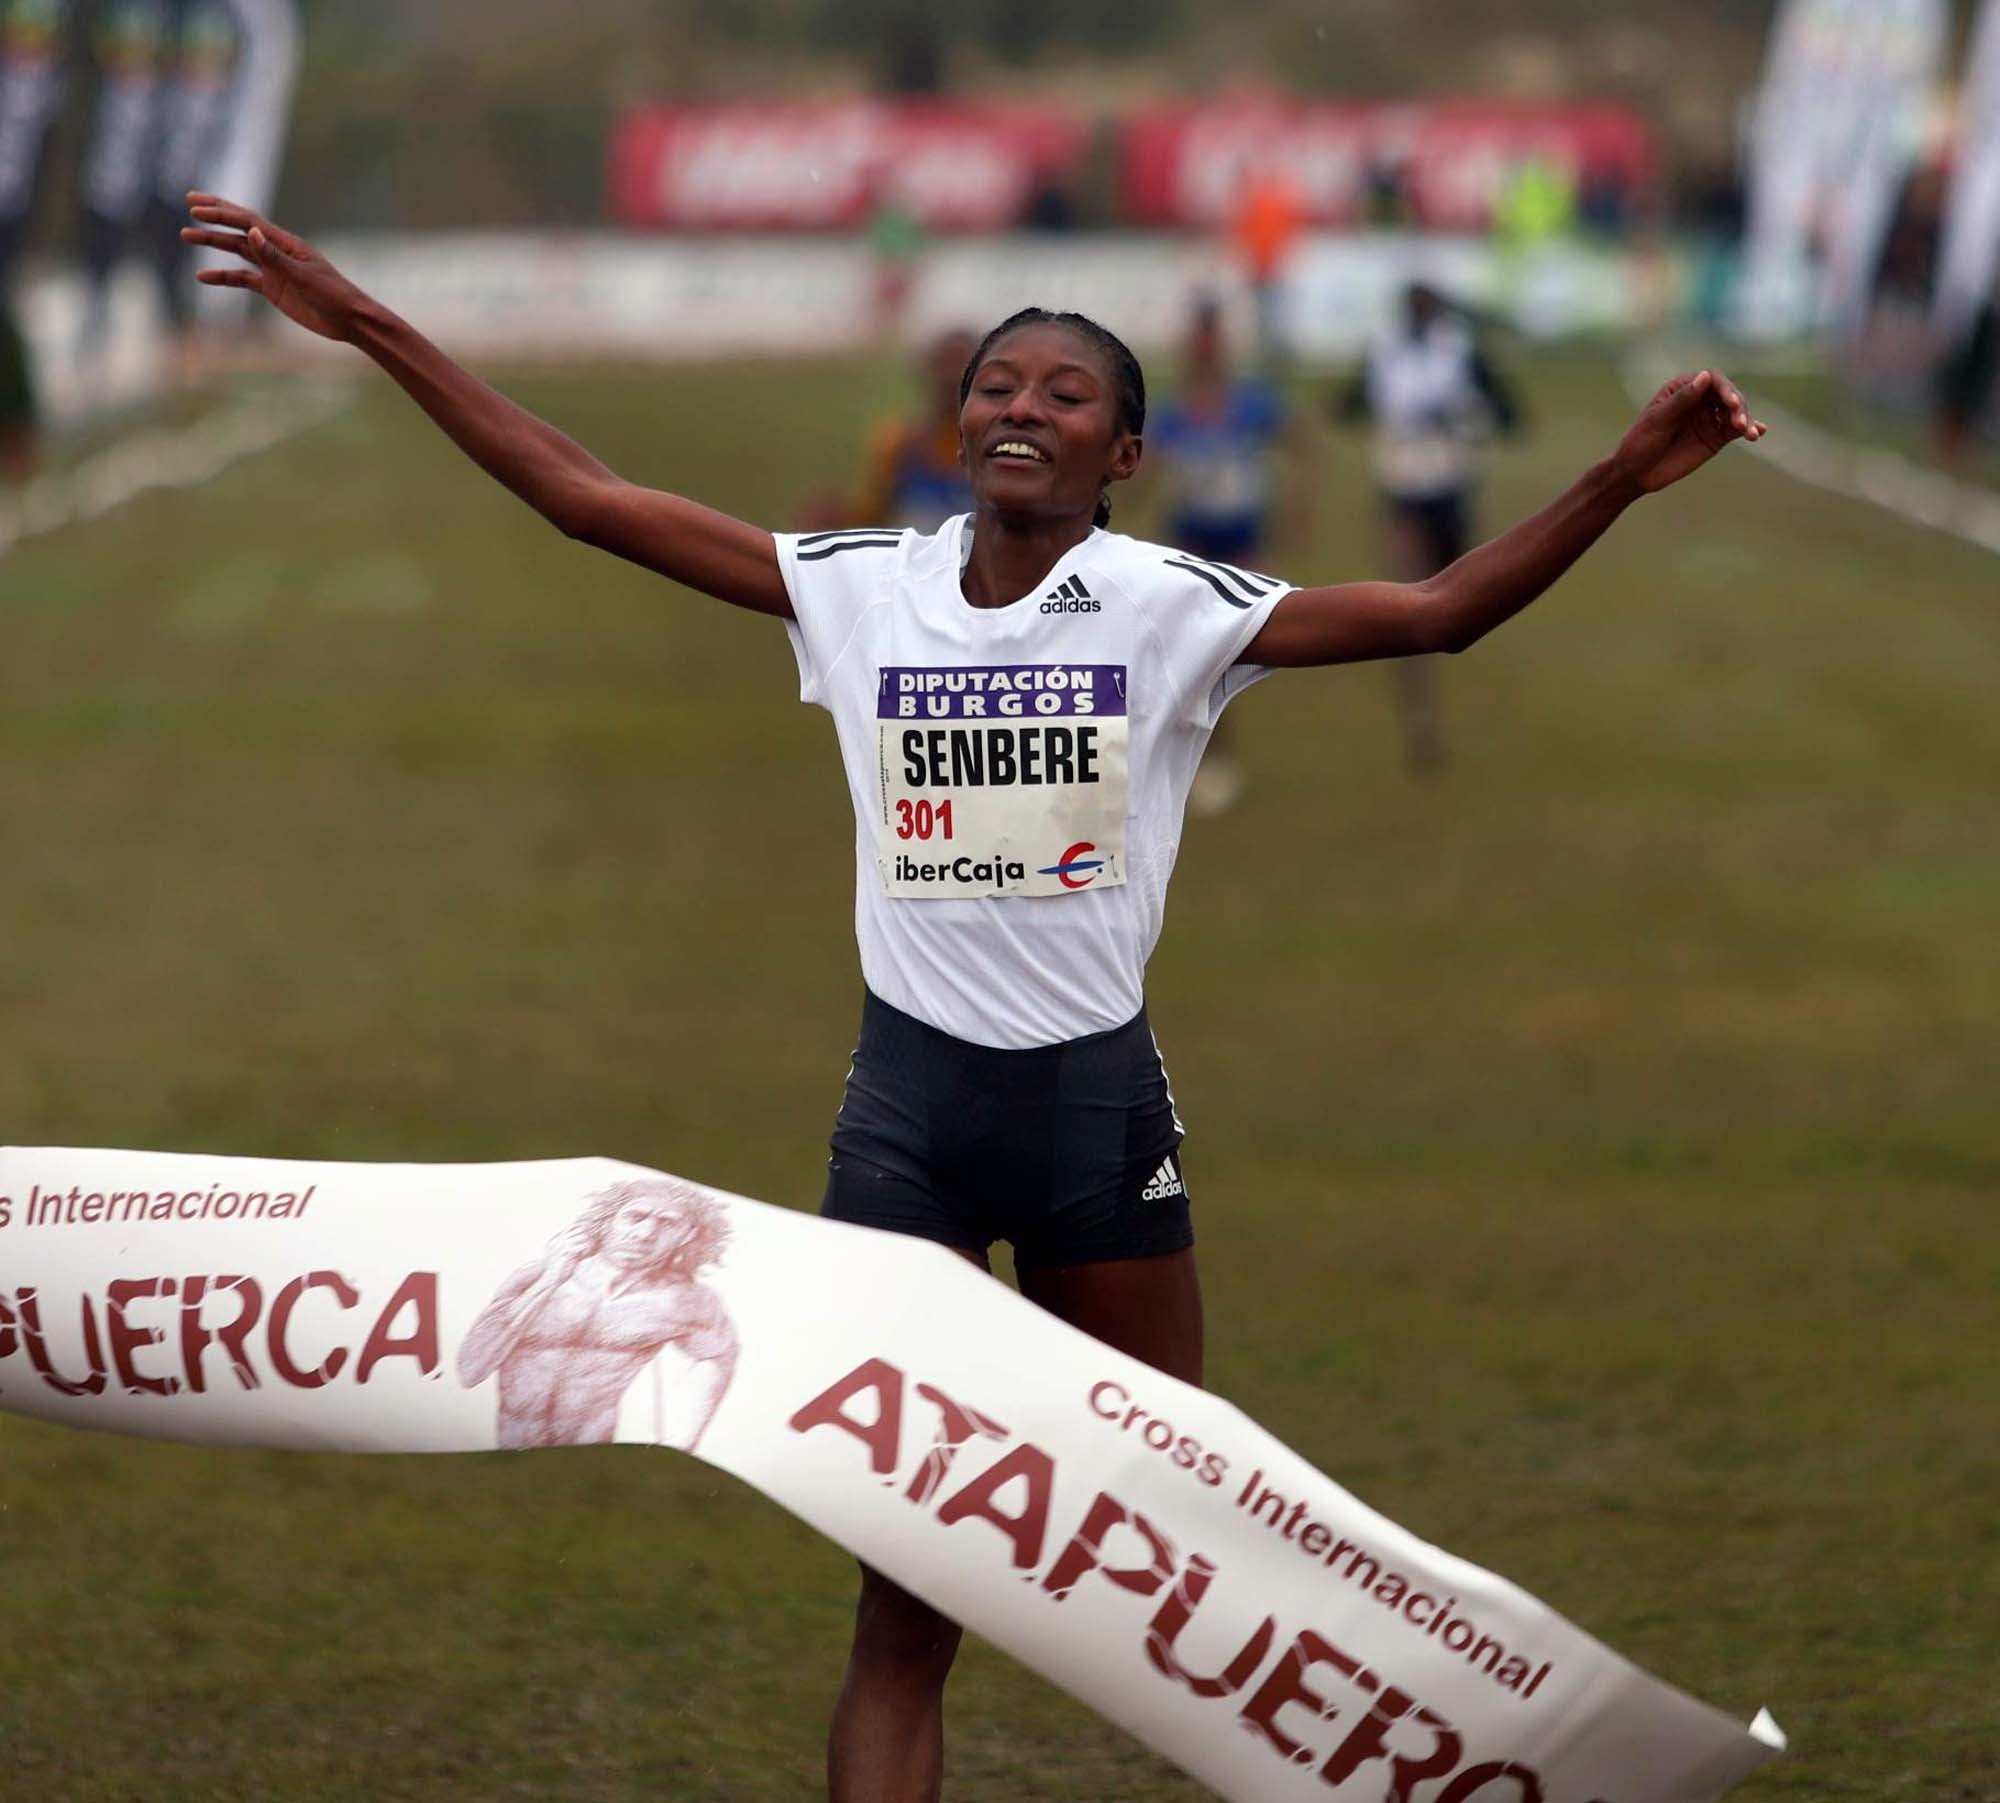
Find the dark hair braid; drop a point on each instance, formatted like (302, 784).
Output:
(1128, 380)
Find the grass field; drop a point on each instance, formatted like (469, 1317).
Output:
(1597, 1150)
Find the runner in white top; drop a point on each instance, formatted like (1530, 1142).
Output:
(1061, 815)
(1434, 400)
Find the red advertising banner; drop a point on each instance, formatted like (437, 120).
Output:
(1440, 167)
(785, 166)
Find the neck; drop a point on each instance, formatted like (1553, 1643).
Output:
(1011, 556)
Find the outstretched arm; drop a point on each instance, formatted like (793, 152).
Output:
(1680, 429)
(707, 550)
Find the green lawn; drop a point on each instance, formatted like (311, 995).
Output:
(1597, 1150)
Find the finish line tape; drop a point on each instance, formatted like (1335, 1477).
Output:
(1135, 1540)
(154, 457)
(1822, 459)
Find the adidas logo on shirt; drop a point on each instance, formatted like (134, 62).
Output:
(1166, 1182)
(1071, 598)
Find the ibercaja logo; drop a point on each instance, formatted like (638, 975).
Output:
(1076, 868)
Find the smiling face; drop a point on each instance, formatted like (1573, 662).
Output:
(1040, 426)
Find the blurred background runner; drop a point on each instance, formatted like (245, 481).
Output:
(1234, 469)
(911, 472)
(1433, 399)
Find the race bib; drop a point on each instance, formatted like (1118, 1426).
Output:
(1002, 779)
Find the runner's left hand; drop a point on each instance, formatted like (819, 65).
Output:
(1681, 428)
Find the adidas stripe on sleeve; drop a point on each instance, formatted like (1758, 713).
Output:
(1240, 588)
(1205, 614)
(833, 578)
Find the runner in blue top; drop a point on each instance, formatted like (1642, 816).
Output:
(1218, 441)
(1235, 472)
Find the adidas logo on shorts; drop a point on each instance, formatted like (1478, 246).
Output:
(1166, 1182)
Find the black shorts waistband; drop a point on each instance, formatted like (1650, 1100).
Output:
(884, 1024)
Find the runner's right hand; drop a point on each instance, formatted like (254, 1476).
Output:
(283, 267)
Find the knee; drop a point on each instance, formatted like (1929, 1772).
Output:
(892, 1628)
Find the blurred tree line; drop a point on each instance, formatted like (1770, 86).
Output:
(424, 113)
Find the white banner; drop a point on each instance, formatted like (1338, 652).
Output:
(1876, 136)
(245, 164)
(1139, 1542)
(1834, 129)
(31, 88)
(1782, 146)
(596, 294)
(1969, 260)
(233, 138)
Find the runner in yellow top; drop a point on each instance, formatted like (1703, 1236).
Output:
(912, 474)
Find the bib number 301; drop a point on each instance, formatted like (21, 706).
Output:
(921, 819)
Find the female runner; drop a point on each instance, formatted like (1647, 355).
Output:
(1021, 700)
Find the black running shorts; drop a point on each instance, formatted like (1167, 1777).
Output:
(1070, 1152)
(1442, 525)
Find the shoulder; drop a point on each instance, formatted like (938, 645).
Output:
(861, 559)
(857, 561)
(835, 577)
(1163, 580)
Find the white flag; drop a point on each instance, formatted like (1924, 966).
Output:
(1969, 261)
(1897, 56)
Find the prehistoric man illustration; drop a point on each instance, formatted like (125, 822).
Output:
(571, 1332)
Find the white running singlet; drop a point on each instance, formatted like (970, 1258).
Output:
(1430, 414)
(1018, 773)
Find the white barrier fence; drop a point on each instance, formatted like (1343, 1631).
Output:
(598, 293)
(605, 295)
(1139, 1542)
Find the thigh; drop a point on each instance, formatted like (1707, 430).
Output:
(1147, 1307)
